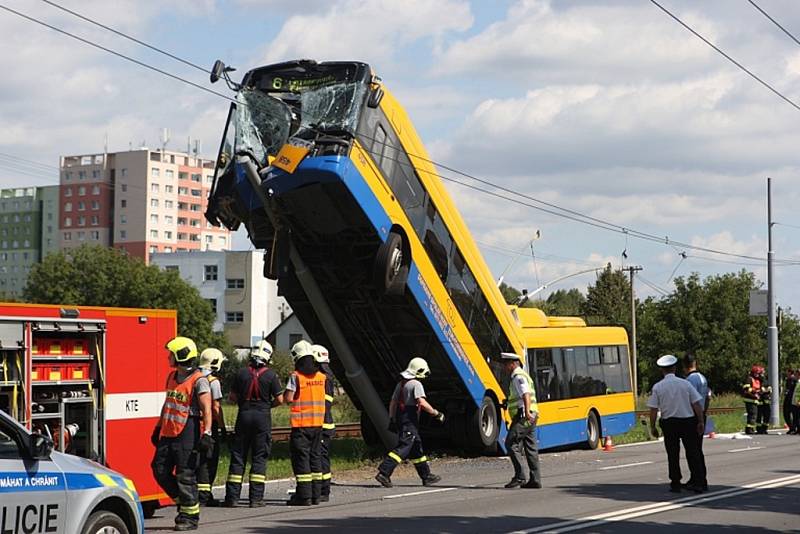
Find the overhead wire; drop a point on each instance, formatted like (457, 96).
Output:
(775, 22)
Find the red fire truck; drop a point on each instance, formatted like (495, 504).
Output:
(92, 379)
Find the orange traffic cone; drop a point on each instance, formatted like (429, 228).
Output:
(608, 445)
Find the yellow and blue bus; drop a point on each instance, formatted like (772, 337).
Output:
(327, 173)
(582, 376)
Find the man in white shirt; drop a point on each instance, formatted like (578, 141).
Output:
(681, 408)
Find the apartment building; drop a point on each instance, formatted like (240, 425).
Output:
(142, 201)
(28, 232)
(246, 304)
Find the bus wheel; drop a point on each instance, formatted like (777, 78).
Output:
(483, 427)
(592, 431)
(391, 268)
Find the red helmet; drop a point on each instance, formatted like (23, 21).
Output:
(756, 370)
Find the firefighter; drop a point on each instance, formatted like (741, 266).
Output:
(763, 413)
(328, 426)
(183, 432)
(256, 389)
(407, 401)
(306, 393)
(751, 391)
(210, 364)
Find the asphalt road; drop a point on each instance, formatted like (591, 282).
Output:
(754, 487)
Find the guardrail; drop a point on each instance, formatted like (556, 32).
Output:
(711, 411)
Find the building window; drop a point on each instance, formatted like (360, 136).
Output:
(172, 268)
(95, 174)
(123, 203)
(67, 221)
(234, 283)
(209, 239)
(67, 176)
(154, 188)
(169, 204)
(154, 234)
(213, 304)
(26, 244)
(195, 223)
(183, 190)
(153, 202)
(169, 189)
(182, 221)
(167, 234)
(67, 191)
(194, 237)
(81, 206)
(234, 317)
(123, 234)
(169, 173)
(123, 219)
(183, 175)
(95, 220)
(95, 235)
(169, 219)
(154, 218)
(95, 189)
(123, 172)
(210, 273)
(153, 249)
(196, 192)
(167, 249)
(209, 178)
(124, 188)
(196, 177)
(67, 236)
(95, 205)
(181, 236)
(81, 236)
(195, 207)
(81, 175)
(81, 191)
(81, 221)
(68, 206)
(155, 172)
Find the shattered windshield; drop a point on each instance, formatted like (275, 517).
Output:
(332, 108)
(262, 124)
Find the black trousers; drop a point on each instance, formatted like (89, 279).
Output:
(207, 469)
(304, 448)
(252, 435)
(762, 417)
(325, 459)
(684, 430)
(409, 446)
(174, 466)
(751, 407)
(788, 414)
(796, 418)
(523, 450)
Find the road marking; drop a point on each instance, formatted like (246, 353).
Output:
(415, 493)
(623, 465)
(657, 507)
(746, 449)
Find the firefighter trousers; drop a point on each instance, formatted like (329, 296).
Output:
(409, 446)
(762, 417)
(304, 448)
(253, 435)
(207, 470)
(174, 466)
(751, 407)
(325, 459)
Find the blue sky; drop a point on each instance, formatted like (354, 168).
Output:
(608, 108)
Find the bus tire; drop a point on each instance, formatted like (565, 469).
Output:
(483, 427)
(391, 267)
(104, 521)
(592, 432)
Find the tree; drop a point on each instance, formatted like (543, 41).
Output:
(101, 276)
(565, 302)
(608, 300)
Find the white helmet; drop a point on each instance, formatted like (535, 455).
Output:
(212, 359)
(417, 368)
(320, 354)
(261, 354)
(300, 349)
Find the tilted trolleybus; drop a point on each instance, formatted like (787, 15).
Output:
(328, 175)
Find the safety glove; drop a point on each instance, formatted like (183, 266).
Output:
(439, 416)
(206, 444)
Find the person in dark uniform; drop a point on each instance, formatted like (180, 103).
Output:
(407, 401)
(521, 439)
(183, 432)
(328, 426)
(751, 392)
(210, 363)
(681, 408)
(764, 401)
(305, 391)
(256, 389)
(788, 394)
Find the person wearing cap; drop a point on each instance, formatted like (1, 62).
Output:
(521, 439)
(408, 400)
(256, 390)
(210, 364)
(681, 408)
(751, 393)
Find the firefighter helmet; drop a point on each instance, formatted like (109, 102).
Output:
(212, 359)
(417, 368)
(321, 354)
(756, 370)
(261, 354)
(183, 349)
(300, 349)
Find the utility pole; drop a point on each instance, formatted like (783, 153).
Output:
(634, 360)
(772, 328)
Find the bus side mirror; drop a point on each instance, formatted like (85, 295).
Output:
(216, 71)
(40, 447)
(375, 97)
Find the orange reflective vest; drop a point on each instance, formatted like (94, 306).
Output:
(178, 404)
(308, 405)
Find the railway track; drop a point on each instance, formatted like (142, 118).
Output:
(711, 411)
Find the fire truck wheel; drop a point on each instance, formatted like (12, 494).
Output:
(103, 522)
(149, 508)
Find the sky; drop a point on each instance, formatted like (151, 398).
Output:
(606, 108)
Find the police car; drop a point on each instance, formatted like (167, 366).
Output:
(44, 491)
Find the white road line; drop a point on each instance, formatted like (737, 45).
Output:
(655, 508)
(414, 493)
(623, 465)
(746, 449)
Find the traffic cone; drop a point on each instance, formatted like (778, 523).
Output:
(608, 445)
